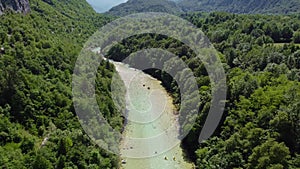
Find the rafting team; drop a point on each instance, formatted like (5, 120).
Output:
(166, 158)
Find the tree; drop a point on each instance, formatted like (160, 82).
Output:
(275, 33)
(296, 37)
(3, 37)
(27, 145)
(64, 145)
(41, 162)
(269, 155)
(287, 33)
(61, 162)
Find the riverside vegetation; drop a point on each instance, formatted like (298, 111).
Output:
(38, 125)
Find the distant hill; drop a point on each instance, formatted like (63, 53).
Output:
(242, 6)
(135, 6)
(232, 6)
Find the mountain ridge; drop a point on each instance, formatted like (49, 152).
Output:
(135, 6)
(231, 6)
(242, 6)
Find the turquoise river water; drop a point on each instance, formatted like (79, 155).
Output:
(152, 121)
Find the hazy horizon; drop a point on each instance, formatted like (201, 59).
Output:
(104, 5)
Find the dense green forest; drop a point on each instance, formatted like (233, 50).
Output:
(135, 6)
(242, 6)
(232, 6)
(38, 125)
(260, 128)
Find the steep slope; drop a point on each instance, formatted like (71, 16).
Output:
(38, 125)
(242, 6)
(135, 6)
(14, 5)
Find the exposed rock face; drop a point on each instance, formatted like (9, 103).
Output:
(21, 6)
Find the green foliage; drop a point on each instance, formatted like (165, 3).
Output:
(136, 6)
(261, 126)
(296, 37)
(269, 155)
(232, 6)
(38, 124)
(241, 6)
(41, 162)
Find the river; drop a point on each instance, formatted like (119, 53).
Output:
(150, 113)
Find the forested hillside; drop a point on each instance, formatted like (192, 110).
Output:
(38, 125)
(135, 6)
(232, 6)
(242, 6)
(260, 127)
